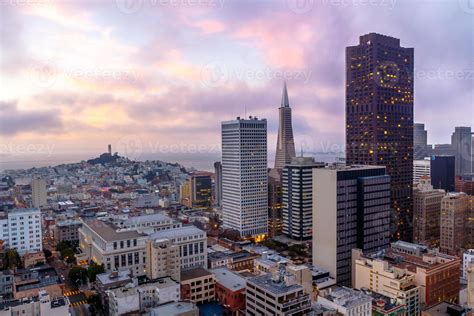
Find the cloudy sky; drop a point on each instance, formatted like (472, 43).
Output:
(151, 76)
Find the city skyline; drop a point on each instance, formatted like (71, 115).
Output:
(63, 95)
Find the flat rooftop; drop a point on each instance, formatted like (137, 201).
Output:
(347, 297)
(113, 277)
(108, 231)
(194, 273)
(266, 283)
(229, 279)
(173, 308)
(179, 232)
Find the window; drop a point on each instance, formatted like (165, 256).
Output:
(115, 245)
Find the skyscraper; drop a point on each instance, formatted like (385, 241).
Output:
(442, 172)
(218, 184)
(285, 143)
(39, 195)
(244, 176)
(420, 141)
(201, 190)
(379, 117)
(461, 141)
(298, 197)
(351, 209)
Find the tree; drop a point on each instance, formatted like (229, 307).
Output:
(95, 305)
(47, 254)
(78, 275)
(95, 269)
(62, 245)
(12, 259)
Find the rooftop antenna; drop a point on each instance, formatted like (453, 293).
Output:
(301, 151)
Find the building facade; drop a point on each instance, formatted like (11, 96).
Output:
(162, 259)
(197, 285)
(67, 230)
(244, 176)
(420, 141)
(39, 195)
(461, 140)
(421, 168)
(218, 184)
(351, 209)
(427, 211)
(21, 229)
(285, 143)
(297, 197)
(379, 117)
(201, 190)
(346, 301)
(442, 172)
(453, 222)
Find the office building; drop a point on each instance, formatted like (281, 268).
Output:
(21, 229)
(218, 184)
(381, 277)
(379, 117)
(467, 259)
(442, 172)
(427, 210)
(138, 299)
(464, 183)
(461, 141)
(105, 243)
(201, 190)
(197, 285)
(297, 197)
(39, 195)
(162, 259)
(285, 143)
(351, 209)
(453, 222)
(276, 294)
(346, 301)
(437, 275)
(420, 141)
(421, 168)
(244, 176)
(275, 217)
(192, 243)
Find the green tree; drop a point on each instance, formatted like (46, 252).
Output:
(62, 245)
(12, 259)
(47, 254)
(78, 275)
(95, 269)
(95, 305)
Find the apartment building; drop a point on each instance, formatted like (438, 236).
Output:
(162, 259)
(67, 230)
(346, 301)
(197, 285)
(453, 222)
(381, 277)
(21, 229)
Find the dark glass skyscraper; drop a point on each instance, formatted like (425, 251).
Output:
(442, 172)
(420, 141)
(285, 143)
(379, 118)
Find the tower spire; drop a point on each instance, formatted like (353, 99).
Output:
(284, 97)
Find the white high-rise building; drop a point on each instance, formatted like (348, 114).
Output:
(21, 229)
(39, 195)
(244, 176)
(421, 168)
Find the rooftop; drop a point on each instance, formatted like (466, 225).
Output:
(173, 308)
(346, 297)
(108, 231)
(443, 308)
(229, 279)
(113, 277)
(184, 231)
(68, 222)
(194, 273)
(266, 283)
(146, 218)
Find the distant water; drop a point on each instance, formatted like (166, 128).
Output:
(199, 161)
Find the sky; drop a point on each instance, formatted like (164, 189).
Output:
(158, 76)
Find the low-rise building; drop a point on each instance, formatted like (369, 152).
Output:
(67, 230)
(381, 277)
(6, 284)
(29, 282)
(346, 301)
(230, 290)
(446, 309)
(134, 298)
(276, 294)
(175, 309)
(197, 285)
(33, 258)
(41, 305)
